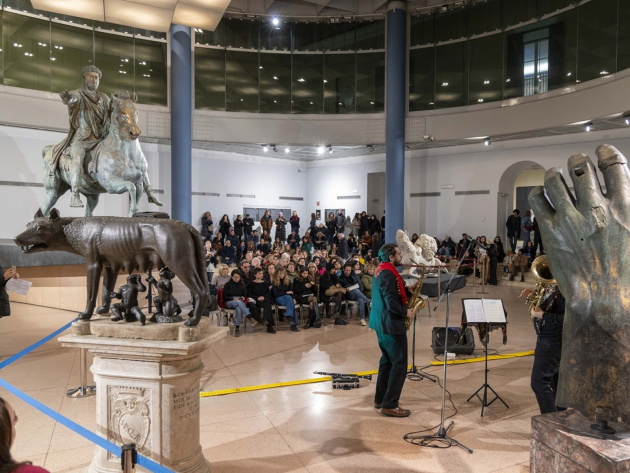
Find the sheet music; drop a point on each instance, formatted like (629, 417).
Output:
(493, 308)
(484, 311)
(474, 311)
(19, 286)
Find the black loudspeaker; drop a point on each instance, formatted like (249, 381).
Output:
(458, 341)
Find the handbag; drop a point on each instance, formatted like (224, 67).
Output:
(331, 291)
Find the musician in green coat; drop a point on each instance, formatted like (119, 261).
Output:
(387, 317)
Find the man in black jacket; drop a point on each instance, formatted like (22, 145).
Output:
(389, 310)
(513, 225)
(549, 320)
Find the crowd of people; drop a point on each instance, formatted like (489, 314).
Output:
(326, 264)
(317, 259)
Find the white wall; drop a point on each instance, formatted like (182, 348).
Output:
(472, 167)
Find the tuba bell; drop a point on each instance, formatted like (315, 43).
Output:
(545, 280)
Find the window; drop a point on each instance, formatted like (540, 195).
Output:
(536, 62)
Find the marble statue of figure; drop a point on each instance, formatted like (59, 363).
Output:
(101, 153)
(586, 237)
(128, 308)
(422, 252)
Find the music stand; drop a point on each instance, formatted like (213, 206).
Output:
(440, 439)
(485, 386)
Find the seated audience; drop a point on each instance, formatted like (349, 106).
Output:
(354, 286)
(282, 292)
(260, 292)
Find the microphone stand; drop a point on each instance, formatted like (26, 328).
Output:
(416, 373)
(440, 439)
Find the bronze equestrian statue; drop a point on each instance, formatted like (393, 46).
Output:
(101, 153)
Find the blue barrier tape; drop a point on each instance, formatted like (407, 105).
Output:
(91, 436)
(82, 431)
(35, 345)
(88, 434)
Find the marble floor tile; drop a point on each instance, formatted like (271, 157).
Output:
(306, 428)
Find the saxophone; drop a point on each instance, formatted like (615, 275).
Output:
(416, 301)
(545, 280)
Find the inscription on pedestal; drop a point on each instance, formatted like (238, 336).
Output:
(129, 420)
(186, 403)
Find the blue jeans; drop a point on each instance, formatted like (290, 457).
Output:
(240, 308)
(357, 295)
(444, 252)
(287, 301)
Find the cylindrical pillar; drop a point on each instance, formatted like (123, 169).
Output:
(395, 110)
(181, 123)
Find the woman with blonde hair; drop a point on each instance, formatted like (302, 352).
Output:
(223, 277)
(282, 292)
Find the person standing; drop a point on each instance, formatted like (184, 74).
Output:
(248, 227)
(513, 225)
(387, 318)
(526, 227)
(5, 306)
(88, 110)
(294, 220)
(340, 221)
(537, 238)
(266, 222)
(549, 321)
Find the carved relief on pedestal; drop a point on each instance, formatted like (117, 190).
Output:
(129, 420)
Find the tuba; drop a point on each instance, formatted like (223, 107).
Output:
(416, 301)
(545, 280)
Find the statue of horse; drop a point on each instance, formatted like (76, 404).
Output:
(116, 163)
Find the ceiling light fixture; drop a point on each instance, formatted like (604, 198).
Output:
(286, 150)
(275, 22)
(329, 148)
(487, 142)
(588, 126)
(320, 149)
(265, 148)
(626, 118)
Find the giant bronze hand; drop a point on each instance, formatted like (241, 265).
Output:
(587, 241)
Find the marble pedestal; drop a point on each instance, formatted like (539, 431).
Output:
(564, 442)
(147, 389)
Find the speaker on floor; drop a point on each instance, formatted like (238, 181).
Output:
(458, 341)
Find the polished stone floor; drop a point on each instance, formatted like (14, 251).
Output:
(302, 428)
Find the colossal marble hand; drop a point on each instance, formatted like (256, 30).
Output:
(587, 241)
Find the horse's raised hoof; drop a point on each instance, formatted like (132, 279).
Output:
(155, 200)
(102, 310)
(192, 322)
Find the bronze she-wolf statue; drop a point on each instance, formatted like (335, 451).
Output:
(123, 243)
(587, 242)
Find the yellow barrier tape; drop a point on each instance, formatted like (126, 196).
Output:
(483, 358)
(221, 392)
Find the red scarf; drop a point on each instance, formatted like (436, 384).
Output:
(401, 285)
